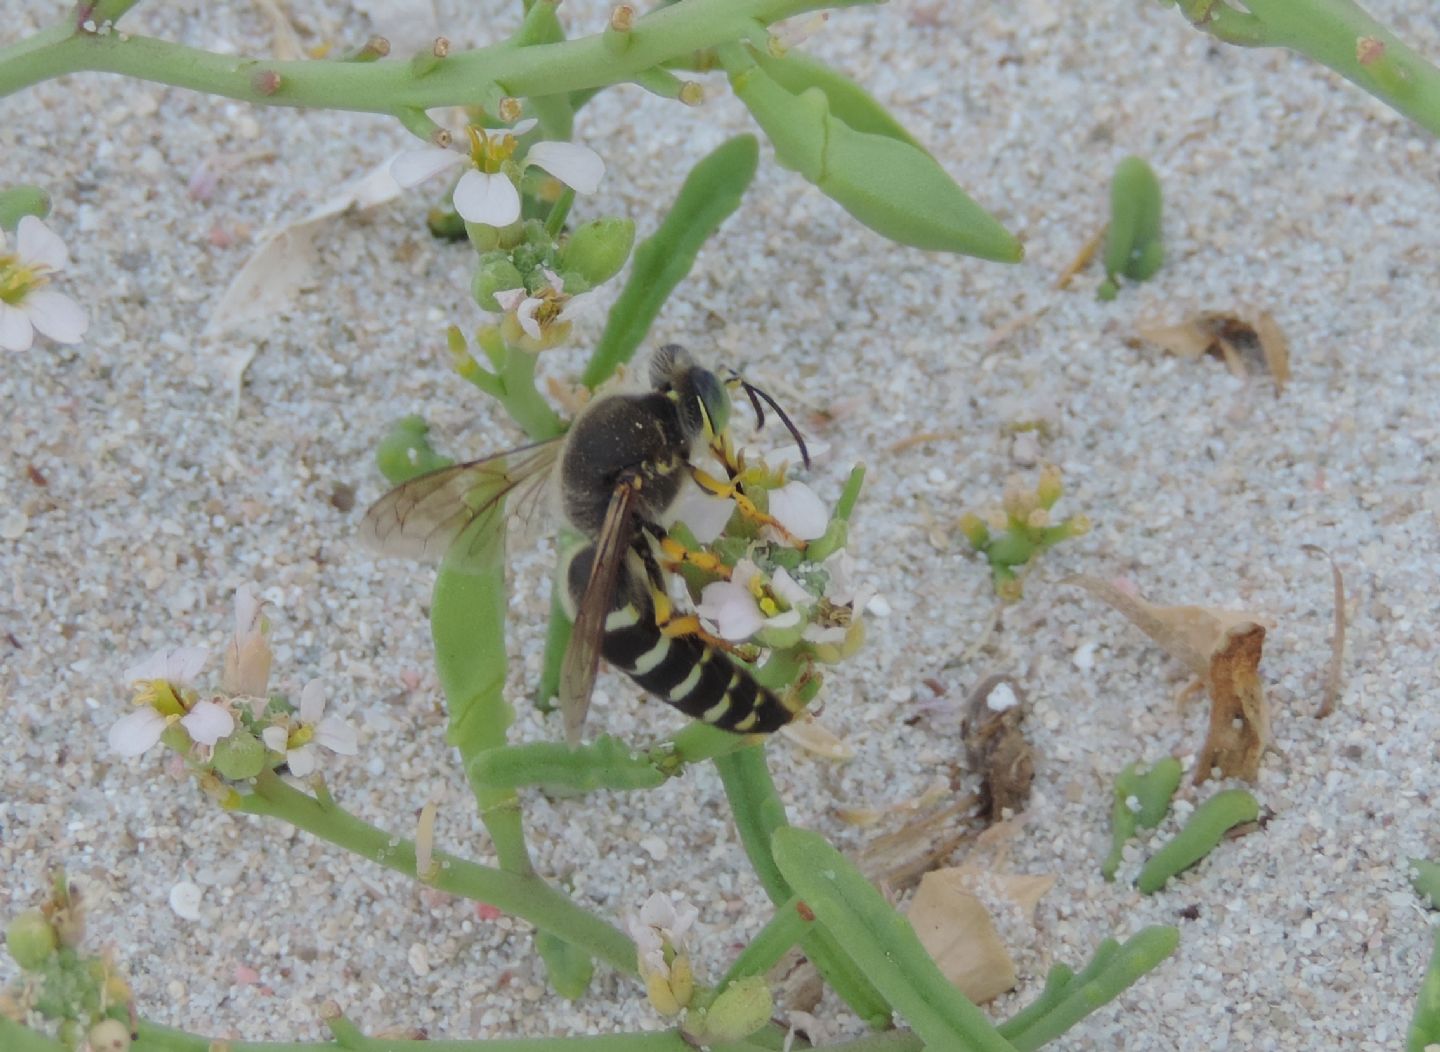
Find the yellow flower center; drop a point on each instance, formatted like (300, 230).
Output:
(160, 695)
(489, 150)
(18, 280)
(299, 736)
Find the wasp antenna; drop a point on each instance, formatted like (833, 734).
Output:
(756, 394)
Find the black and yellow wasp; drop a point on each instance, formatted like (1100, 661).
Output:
(619, 467)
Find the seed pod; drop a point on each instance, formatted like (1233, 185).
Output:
(1211, 821)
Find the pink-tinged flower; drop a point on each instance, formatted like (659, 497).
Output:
(746, 605)
(542, 312)
(27, 306)
(488, 191)
(159, 682)
(296, 737)
(247, 659)
(796, 507)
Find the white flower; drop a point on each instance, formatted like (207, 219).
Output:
(26, 305)
(741, 607)
(662, 924)
(704, 514)
(159, 680)
(207, 722)
(549, 306)
(796, 507)
(297, 738)
(487, 193)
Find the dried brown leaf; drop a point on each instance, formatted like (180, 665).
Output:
(814, 737)
(1337, 638)
(1082, 258)
(1189, 339)
(900, 858)
(1276, 349)
(996, 746)
(1231, 336)
(1239, 716)
(1223, 649)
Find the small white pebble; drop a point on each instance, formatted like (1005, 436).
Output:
(185, 900)
(14, 525)
(1084, 657)
(1001, 698)
(656, 848)
(879, 606)
(419, 959)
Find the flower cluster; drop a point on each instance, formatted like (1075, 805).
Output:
(529, 270)
(659, 933)
(27, 304)
(240, 730)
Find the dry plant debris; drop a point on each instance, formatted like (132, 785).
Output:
(1223, 649)
(1337, 637)
(1228, 336)
(996, 746)
(958, 930)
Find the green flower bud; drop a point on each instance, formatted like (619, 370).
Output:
(598, 249)
(240, 756)
(21, 201)
(31, 940)
(743, 1008)
(494, 274)
(404, 453)
(445, 223)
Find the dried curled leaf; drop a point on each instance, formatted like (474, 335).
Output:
(1228, 336)
(957, 929)
(899, 859)
(1337, 637)
(1223, 649)
(996, 746)
(814, 737)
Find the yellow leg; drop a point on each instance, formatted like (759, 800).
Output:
(710, 484)
(677, 555)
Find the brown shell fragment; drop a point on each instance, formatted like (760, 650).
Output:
(996, 746)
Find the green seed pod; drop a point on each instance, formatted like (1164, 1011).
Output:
(893, 187)
(1132, 242)
(31, 940)
(1207, 825)
(1153, 790)
(21, 201)
(494, 274)
(405, 452)
(239, 756)
(598, 249)
(741, 1009)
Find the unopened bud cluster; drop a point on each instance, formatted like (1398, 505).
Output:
(1020, 529)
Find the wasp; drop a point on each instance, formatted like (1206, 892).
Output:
(617, 470)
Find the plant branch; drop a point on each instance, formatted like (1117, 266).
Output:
(525, 896)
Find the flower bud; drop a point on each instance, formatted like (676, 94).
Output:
(239, 756)
(494, 274)
(31, 940)
(1049, 489)
(974, 529)
(598, 249)
(109, 1035)
(20, 201)
(743, 1008)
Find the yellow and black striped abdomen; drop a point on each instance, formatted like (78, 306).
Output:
(688, 673)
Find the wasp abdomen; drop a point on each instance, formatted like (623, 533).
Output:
(690, 674)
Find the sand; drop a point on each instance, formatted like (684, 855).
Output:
(1286, 190)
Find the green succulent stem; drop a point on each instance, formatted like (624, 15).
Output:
(524, 895)
(465, 78)
(1339, 34)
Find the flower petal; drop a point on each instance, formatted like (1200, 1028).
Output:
(578, 305)
(525, 315)
(338, 736)
(732, 609)
(704, 513)
(484, 198)
(789, 589)
(37, 243)
(56, 315)
(275, 738)
(177, 665)
(522, 127)
(797, 508)
(413, 167)
(207, 723)
(578, 167)
(16, 332)
(301, 760)
(312, 702)
(134, 733)
(510, 299)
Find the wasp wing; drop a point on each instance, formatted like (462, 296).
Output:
(582, 657)
(461, 506)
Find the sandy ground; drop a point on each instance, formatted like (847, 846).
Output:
(1286, 190)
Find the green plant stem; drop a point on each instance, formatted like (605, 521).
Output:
(522, 401)
(1330, 31)
(162, 1039)
(524, 895)
(758, 812)
(17, 1038)
(791, 921)
(466, 78)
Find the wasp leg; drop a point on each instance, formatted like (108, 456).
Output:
(677, 555)
(731, 491)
